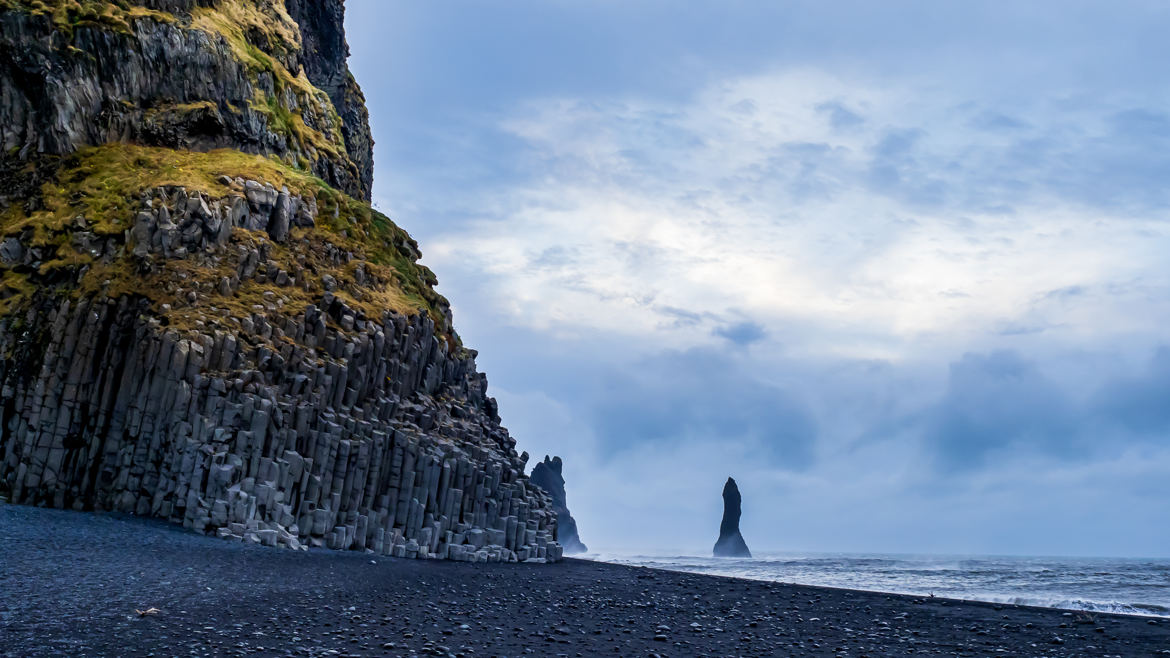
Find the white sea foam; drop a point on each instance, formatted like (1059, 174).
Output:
(1130, 586)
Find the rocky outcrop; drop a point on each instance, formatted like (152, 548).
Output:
(237, 343)
(731, 543)
(188, 75)
(320, 427)
(324, 53)
(547, 475)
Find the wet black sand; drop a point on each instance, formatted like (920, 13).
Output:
(70, 584)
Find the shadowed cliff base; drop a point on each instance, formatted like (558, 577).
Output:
(70, 584)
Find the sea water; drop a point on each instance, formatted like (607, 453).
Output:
(1132, 586)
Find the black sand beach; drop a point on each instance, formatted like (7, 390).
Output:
(70, 584)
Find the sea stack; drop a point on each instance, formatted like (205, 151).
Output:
(547, 476)
(731, 543)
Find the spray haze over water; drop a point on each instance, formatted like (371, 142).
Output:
(1122, 585)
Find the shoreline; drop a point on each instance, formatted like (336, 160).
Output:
(1136, 613)
(761, 568)
(71, 581)
(906, 595)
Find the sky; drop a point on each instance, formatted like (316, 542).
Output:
(899, 268)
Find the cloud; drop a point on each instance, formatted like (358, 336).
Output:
(840, 117)
(1140, 402)
(923, 306)
(996, 402)
(647, 444)
(746, 218)
(1142, 124)
(1067, 293)
(998, 122)
(704, 395)
(902, 278)
(770, 210)
(1000, 407)
(742, 333)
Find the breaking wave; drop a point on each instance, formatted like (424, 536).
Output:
(1111, 585)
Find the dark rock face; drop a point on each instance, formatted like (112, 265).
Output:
(168, 83)
(547, 476)
(324, 53)
(731, 543)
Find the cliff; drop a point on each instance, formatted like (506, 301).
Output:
(548, 476)
(185, 74)
(201, 317)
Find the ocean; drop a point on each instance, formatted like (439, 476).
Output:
(1131, 586)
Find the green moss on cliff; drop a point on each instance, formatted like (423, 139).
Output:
(266, 39)
(67, 15)
(102, 188)
(259, 33)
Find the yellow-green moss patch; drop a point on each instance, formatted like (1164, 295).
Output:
(105, 185)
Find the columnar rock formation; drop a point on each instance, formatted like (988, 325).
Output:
(731, 543)
(548, 476)
(201, 320)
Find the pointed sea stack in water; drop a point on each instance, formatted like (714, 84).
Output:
(547, 476)
(731, 543)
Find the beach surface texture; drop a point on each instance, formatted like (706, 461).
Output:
(71, 584)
